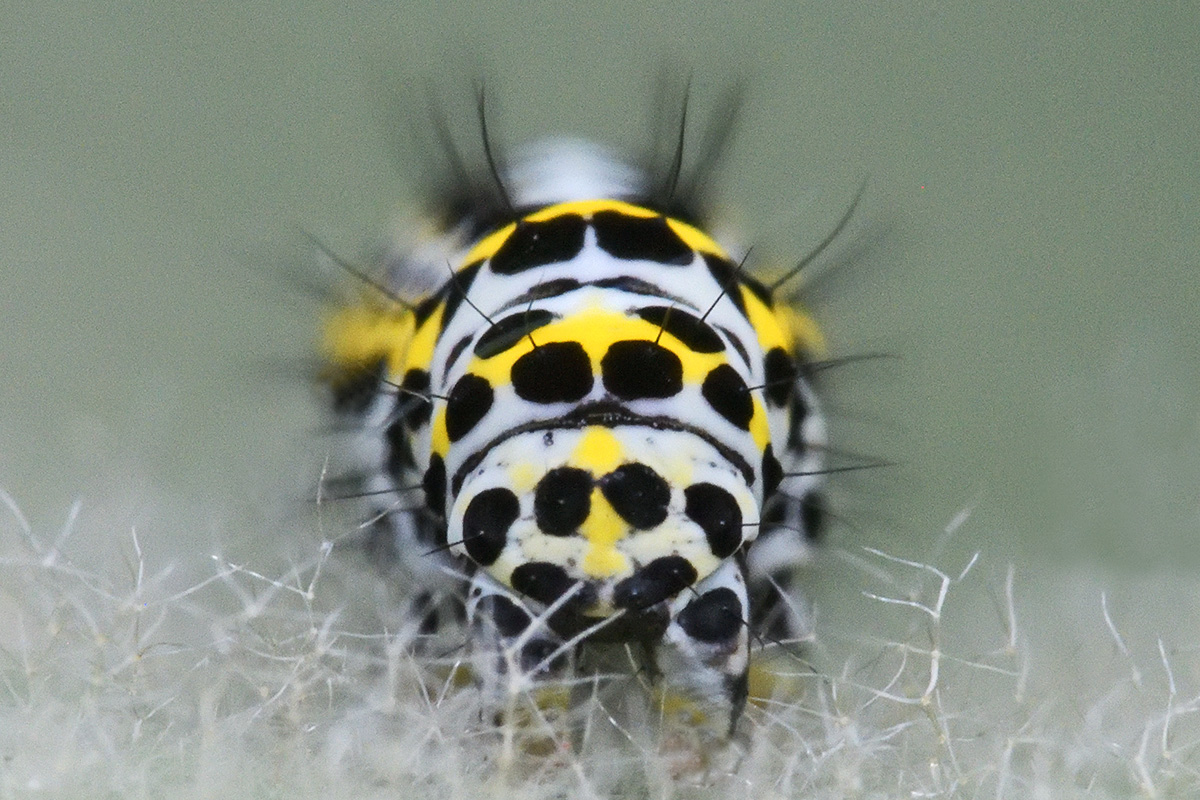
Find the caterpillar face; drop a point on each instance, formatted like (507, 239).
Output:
(604, 413)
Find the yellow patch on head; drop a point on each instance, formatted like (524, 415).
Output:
(598, 451)
(603, 528)
(523, 477)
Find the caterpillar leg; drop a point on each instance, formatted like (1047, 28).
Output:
(405, 545)
(512, 646)
(791, 524)
(707, 644)
(777, 609)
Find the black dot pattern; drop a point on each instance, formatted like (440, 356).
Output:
(550, 288)
(687, 328)
(485, 524)
(355, 388)
(399, 449)
(725, 273)
(555, 372)
(659, 580)
(629, 284)
(538, 657)
(425, 310)
(425, 607)
(509, 618)
(715, 616)
(780, 372)
(638, 494)
(772, 515)
(434, 484)
(469, 401)
(562, 500)
(510, 330)
(813, 512)
(797, 414)
(770, 616)
(634, 369)
(737, 344)
(535, 244)
(717, 513)
(413, 403)
(541, 581)
(456, 351)
(727, 393)
(772, 472)
(457, 288)
(640, 238)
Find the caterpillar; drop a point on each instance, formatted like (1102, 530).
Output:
(598, 428)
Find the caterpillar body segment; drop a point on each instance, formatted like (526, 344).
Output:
(610, 423)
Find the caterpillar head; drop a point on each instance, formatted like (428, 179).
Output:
(625, 517)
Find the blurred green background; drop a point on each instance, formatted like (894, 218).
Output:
(1028, 244)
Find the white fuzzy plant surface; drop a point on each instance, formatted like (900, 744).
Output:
(920, 680)
(1027, 244)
